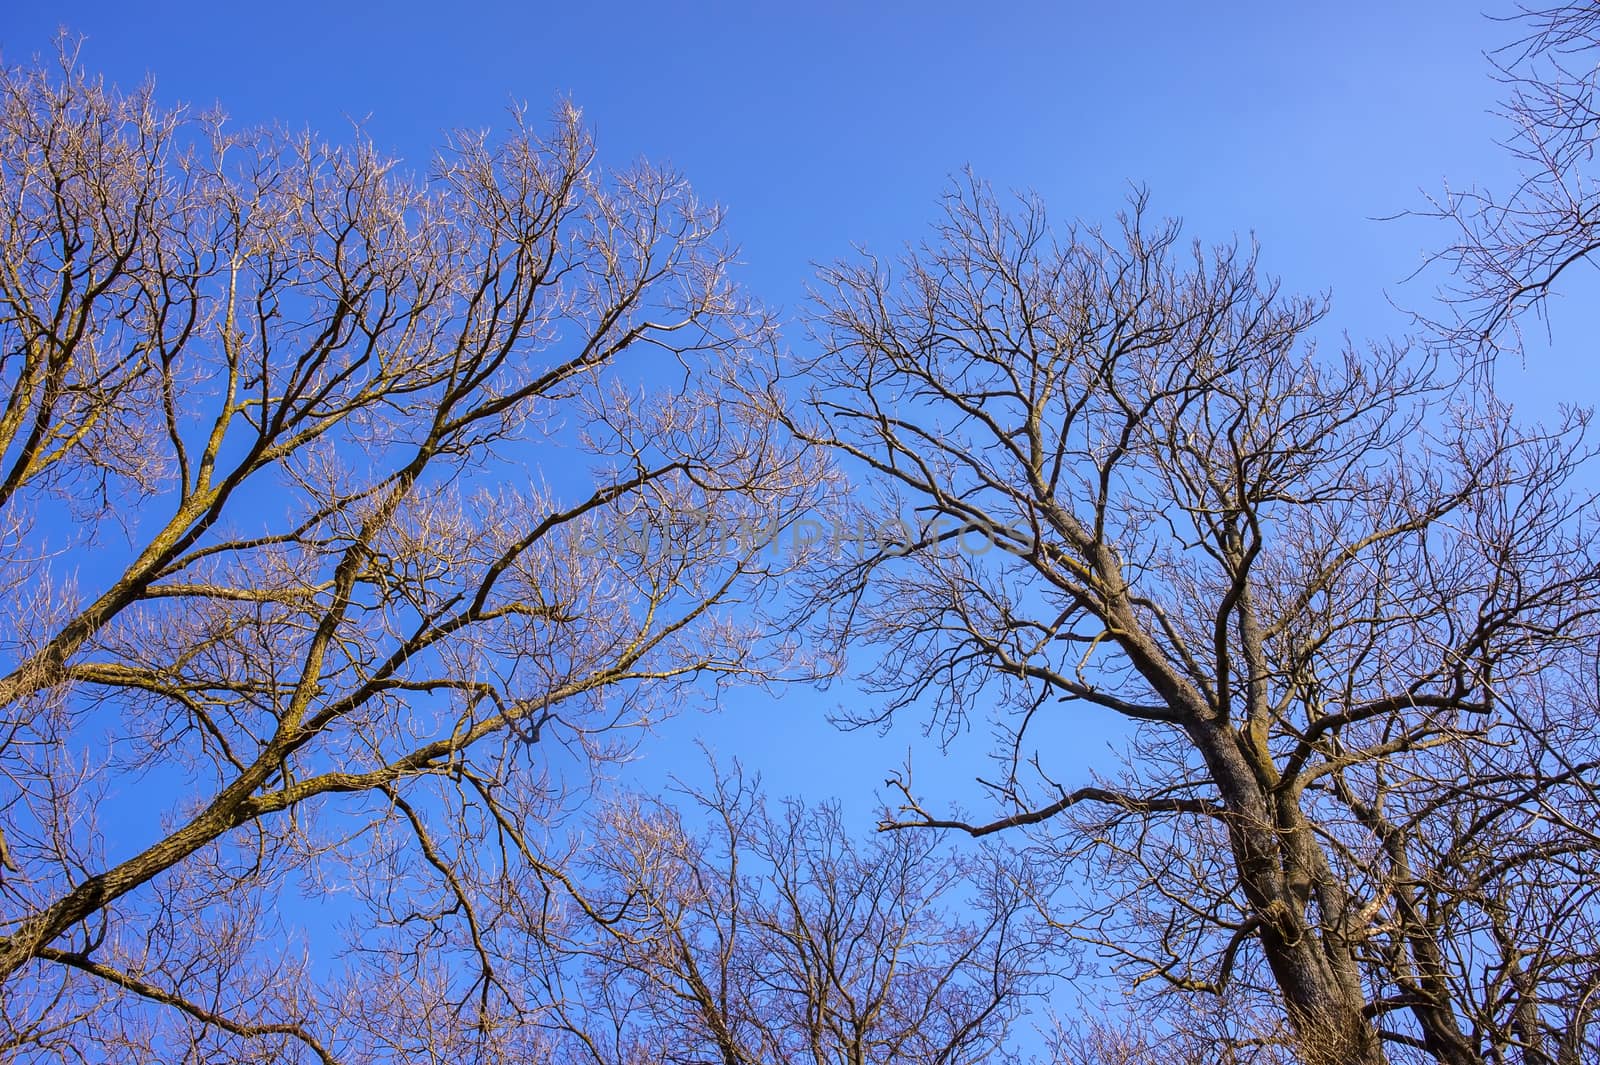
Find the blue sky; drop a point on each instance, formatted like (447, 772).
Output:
(822, 125)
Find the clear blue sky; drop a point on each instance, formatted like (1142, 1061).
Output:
(820, 125)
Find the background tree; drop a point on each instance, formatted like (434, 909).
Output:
(342, 532)
(1346, 611)
(1511, 249)
(768, 937)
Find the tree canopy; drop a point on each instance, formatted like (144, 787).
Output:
(358, 525)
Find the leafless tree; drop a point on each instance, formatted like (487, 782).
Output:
(1219, 1030)
(774, 937)
(1511, 248)
(1346, 611)
(343, 531)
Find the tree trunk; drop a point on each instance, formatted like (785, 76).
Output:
(1321, 993)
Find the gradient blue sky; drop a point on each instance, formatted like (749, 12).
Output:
(820, 125)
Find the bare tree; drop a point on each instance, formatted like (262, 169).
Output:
(1220, 1030)
(1345, 610)
(343, 530)
(1511, 249)
(763, 937)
